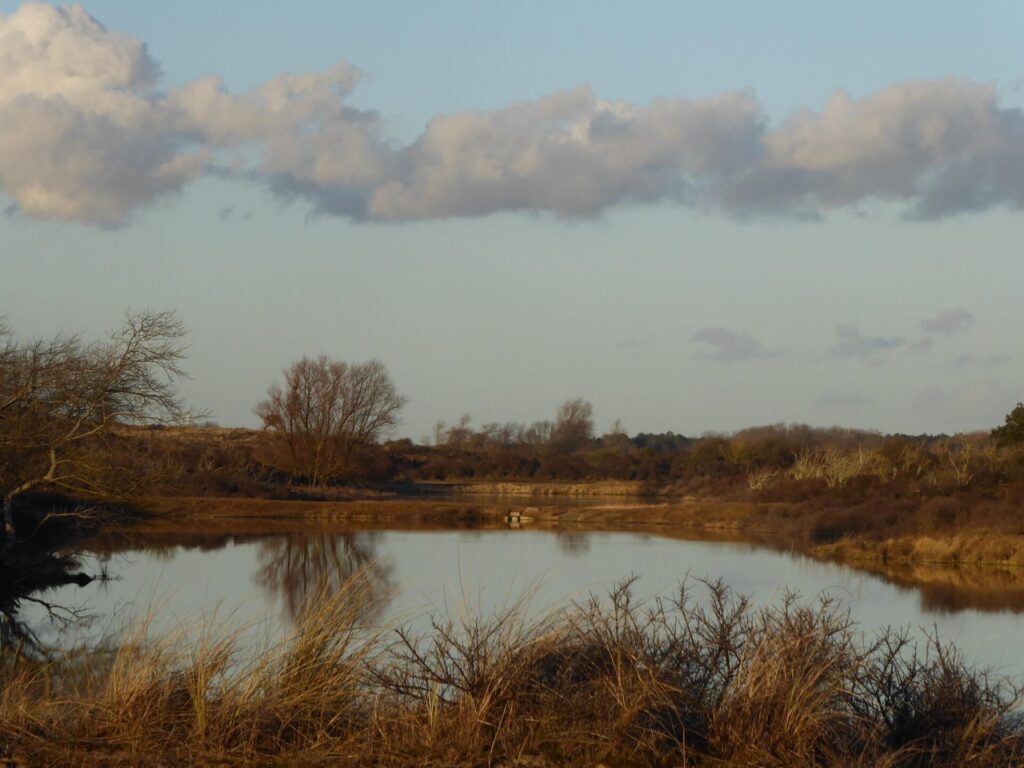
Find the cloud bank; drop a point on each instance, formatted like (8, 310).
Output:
(86, 135)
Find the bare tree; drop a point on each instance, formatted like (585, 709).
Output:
(574, 426)
(326, 409)
(59, 397)
(459, 434)
(616, 437)
(539, 433)
(439, 431)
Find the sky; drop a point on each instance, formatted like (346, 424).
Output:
(698, 216)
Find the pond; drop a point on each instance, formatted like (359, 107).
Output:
(258, 579)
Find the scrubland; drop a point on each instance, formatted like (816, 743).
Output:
(841, 493)
(702, 679)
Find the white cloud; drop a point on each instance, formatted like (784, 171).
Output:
(64, 53)
(294, 133)
(940, 147)
(85, 135)
(572, 154)
(79, 135)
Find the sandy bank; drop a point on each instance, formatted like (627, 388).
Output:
(742, 521)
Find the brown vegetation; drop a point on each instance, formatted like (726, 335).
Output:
(61, 399)
(325, 411)
(853, 494)
(73, 417)
(703, 680)
(771, 463)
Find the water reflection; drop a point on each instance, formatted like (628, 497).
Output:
(281, 565)
(294, 567)
(574, 543)
(28, 573)
(952, 589)
(300, 569)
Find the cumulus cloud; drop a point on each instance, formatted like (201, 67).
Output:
(572, 154)
(80, 134)
(851, 343)
(86, 135)
(295, 133)
(948, 322)
(724, 346)
(939, 147)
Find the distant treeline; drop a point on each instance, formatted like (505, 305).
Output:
(771, 463)
(104, 419)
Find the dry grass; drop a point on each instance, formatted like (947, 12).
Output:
(700, 680)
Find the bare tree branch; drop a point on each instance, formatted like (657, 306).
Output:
(59, 397)
(326, 410)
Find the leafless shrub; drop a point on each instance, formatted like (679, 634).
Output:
(701, 679)
(959, 452)
(834, 466)
(760, 479)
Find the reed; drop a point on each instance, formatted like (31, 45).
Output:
(701, 679)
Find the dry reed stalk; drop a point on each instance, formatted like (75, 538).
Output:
(699, 679)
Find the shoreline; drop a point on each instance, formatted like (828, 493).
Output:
(581, 489)
(750, 522)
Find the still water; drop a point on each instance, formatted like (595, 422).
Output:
(260, 580)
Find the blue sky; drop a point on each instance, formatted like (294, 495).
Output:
(878, 291)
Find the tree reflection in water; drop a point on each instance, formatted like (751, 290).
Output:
(302, 568)
(25, 578)
(573, 543)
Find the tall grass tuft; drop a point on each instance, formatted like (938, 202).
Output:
(701, 679)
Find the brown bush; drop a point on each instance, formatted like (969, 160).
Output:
(700, 679)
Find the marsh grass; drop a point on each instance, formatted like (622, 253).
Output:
(702, 679)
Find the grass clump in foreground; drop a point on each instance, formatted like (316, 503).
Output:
(708, 682)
